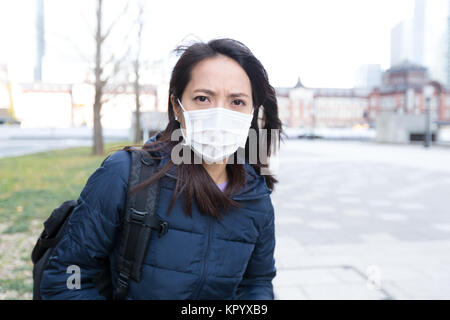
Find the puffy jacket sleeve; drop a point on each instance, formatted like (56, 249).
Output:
(257, 280)
(90, 233)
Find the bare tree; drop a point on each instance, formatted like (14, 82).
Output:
(100, 79)
(137, 70)
(106, 66)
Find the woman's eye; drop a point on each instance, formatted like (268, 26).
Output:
(201, 98)
(239, 102)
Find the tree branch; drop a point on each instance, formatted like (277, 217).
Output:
(108, 31)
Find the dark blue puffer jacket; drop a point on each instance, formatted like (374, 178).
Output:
(199, 257)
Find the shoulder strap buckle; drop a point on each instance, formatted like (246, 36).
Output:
(137, 216)
(163, 227)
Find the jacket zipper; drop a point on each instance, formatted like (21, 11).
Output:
(205, 262)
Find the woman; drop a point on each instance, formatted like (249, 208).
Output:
(220, 243)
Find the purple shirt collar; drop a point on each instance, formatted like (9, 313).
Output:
(222, 185)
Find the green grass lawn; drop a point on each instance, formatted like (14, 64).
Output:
(31, 186)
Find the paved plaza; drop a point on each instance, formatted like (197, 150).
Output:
(354, 220)
(361, 220)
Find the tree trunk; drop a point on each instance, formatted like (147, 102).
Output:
(138, 133)
(98, 135)
(138, 137)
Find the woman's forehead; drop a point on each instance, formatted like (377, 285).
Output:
(219, 73)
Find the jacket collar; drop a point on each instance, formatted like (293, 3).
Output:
(254, 188)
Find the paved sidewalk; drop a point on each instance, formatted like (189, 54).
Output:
(17, 141)
(358, 220)
(19, 147)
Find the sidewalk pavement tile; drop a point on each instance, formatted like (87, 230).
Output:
(305, 276)
(289, 293)
(342, 291)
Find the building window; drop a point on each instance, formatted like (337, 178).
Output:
(417, 102)
(388, 103)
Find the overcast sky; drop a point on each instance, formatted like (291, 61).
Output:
(322, 41)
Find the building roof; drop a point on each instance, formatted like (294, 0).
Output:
(128, 88)
(299, 84)
(109, 88)
(406, 66)
(342, 92)
(387, 89)
(46, 87)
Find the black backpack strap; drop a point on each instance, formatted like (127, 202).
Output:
(139, 221)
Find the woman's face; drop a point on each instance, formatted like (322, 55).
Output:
(216, 82)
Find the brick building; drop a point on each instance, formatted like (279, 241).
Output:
(322, 107)
(401, 92)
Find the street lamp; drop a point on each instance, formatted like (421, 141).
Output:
(428, 92)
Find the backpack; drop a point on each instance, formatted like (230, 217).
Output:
(138, 223)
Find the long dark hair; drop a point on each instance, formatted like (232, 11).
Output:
(193, 179)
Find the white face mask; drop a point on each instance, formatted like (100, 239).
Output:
(215, 133)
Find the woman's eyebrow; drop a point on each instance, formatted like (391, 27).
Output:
(212, 93)
(239, 94)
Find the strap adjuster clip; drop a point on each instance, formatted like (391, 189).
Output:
(137, 216)
(163, 227)
(122, 280)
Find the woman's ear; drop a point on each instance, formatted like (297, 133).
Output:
(175, 108)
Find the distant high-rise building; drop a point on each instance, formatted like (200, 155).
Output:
(397, 44)
(40, 40)
(401, 43)
(423, 39)
(368, 76)
(418, 33)
(448, 46)
(436, 35)
(408, 37)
